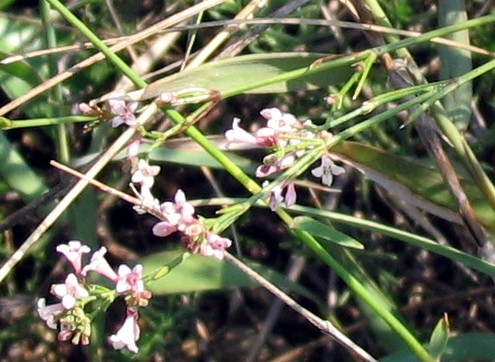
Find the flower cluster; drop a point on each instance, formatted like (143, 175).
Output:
(290, 139)
(70, 316)
(176, 216)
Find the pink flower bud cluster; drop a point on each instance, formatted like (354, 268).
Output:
(69, 314)
(288, 137)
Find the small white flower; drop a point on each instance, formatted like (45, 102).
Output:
(327, 170)
(48, 313)
(70, 291)
(239, 135)
(130, 279)
(128, 334)
(145, 174)
(100, 265)
(124, 112)
(73, 251)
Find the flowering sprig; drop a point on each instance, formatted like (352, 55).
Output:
(176, 216)
(70, 316)
(289, 139)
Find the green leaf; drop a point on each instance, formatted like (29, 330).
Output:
(439, 338)
(467, 347)
(246, 70)
(200, 273)
(456, 62)
(17, 173)
(326, 232)
(197, 157)
(414, 182)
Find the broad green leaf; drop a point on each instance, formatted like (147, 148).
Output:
(197, 157)
(467, 347)
(324, 231)
(17, 35)
(413, 181)
(246, 70)
(439, 338)
(20, 70)
(199, 273)
(17, 173)
(16, 79)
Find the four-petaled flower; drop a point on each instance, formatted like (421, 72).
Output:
(124, 112)
(129, 279)
(215, 246)
(176, 216)
(73, 251)
(70, 291)
(276, 197)
(327, 170)
(145, 174)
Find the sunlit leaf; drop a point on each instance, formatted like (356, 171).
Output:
(245, 70)
(467, 347)
(439, 338)
(199, 273)
(324, 231)
(413, 181)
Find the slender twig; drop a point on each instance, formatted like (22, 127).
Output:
(254, 21)
(170, 21)
(324, 326)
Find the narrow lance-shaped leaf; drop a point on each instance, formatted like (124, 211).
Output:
(326, 232)
(230, 74)
(439, 338)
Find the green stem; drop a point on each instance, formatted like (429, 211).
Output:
(101, 46)
(461, 147)
(7, 124)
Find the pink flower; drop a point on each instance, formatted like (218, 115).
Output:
(279, 121)
(130, 280)
(163, 229)
(49, 313)
(89, 109)
(327, 170)
(100, 265)
(148, 201)
(215, 246)
(73, 251)
(182, 207)
(133, 148)
(176, 215)
(124, 112)
(276, 197)
(70, 291)
(290, 194)
(128, 334)
(264, 137)
(238, 135)
(207, 244)
(145, 174)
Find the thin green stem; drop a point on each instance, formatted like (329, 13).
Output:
(461, 147)
(7, 124)
(101, 46)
